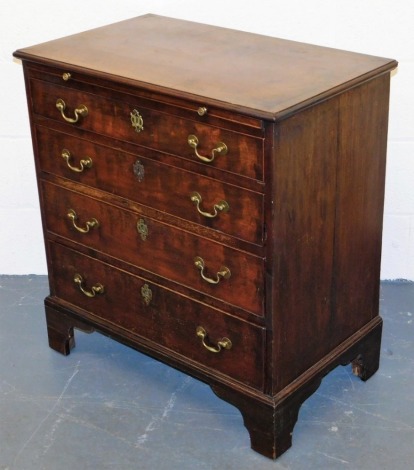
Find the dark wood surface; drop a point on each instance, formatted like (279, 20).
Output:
(113, 172)
(327, 229)
(173, 328)
(304, 174)
(303, 238)
(261, 75)
(166, 250)
(161, 131)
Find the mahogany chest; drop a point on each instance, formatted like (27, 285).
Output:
(214, 199)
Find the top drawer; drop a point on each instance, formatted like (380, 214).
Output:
(127, 119)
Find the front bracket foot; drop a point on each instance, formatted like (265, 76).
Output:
(270, 423)
(60, 330)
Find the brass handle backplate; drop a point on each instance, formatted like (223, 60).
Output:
(222, 273)
(82, 111)
(93, 223)
(223, 343)
(221, 206)
(96, 289)
(84, 163)
(221, 149)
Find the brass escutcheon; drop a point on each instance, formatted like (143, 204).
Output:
(139, 170)
(146, 294)
(142, 229)
(137, 120)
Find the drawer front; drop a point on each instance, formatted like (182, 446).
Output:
(147, 310)
(163, 187)
(157, 247)
(154, 129)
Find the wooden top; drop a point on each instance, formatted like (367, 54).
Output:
(249, 73)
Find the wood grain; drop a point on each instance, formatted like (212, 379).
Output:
(256, 74)
(163, 187)
(166, 250)
(304, 176)
(169, 320)
(161, 131)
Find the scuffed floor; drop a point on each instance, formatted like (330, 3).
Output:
(108, 407)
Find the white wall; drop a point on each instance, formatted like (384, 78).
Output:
(378, 27)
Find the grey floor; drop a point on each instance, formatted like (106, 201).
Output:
(108, 407)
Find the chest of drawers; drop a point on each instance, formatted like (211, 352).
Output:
(214, 199)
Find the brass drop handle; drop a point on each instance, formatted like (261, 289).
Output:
(82, 111)
(221, 206)
(96, 289)
(93, 223)
(221, 149)
(223, 343)
(222, 273)
(84, 163)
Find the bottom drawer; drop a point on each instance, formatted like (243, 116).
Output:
(203, 334)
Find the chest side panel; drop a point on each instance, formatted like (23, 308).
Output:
(304, 184)
(329, 171)
(363, 122)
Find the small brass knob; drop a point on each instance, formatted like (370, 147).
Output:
(66, 76)
(202, 110)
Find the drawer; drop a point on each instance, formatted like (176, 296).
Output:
(154, 184)
(157, 247)
(159, 315)
(129, 121)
